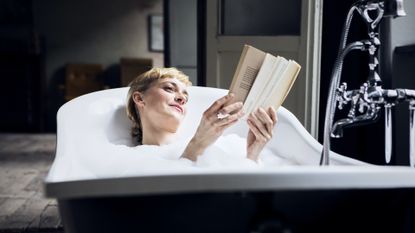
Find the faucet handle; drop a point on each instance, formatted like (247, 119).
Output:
(362, 105)
(363, 98)
(341, 96)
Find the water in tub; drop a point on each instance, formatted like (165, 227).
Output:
(110, 160)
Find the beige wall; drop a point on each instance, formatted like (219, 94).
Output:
(91, 31)
(94, 31)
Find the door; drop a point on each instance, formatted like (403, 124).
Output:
(290, 29)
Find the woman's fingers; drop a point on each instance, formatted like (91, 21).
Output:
(218, 104)
(254, 129)
(273, 115)
(229, 119)
(265, 119)
(259, 124)
(228, 124)
(235, 107)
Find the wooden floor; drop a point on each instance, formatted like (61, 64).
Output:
(24, 162)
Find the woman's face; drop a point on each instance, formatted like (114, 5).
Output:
(164, 103)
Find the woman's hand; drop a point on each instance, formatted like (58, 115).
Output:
(261, 124)
(211, 126)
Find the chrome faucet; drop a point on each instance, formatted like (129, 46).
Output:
(366, 102)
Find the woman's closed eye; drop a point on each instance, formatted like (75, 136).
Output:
(169, 89)
(172, 89)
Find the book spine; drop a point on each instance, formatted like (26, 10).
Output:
(247, 70)
(238, 68)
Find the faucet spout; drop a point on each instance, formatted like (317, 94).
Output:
(370, 116)
(337, 131)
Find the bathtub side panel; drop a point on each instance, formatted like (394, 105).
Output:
(292, 211)
(201, 213)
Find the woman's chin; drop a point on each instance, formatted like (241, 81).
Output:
(173, 123)
(178, 116)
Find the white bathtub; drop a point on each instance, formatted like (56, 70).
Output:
(217, 200)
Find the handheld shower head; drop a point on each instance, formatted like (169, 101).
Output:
(393, 8)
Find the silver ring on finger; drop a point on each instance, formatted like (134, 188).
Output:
(221, 116)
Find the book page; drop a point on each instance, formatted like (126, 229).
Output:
(260, 82)
(282, 88)
(246, 71)
(273, 81)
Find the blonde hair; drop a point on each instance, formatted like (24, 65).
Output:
(142, 83)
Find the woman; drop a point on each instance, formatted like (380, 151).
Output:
(156, 104)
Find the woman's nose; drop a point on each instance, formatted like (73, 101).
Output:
(180, 99)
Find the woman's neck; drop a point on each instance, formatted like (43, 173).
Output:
(157, 136)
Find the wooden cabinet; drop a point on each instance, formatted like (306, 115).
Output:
(132, 67)
(81, 79)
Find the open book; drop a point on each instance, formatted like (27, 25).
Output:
(262, 80)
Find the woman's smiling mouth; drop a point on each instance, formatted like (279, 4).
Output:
(178, 108)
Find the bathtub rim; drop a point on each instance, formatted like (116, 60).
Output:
(287, 179)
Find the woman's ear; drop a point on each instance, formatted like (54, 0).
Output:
(138, 99)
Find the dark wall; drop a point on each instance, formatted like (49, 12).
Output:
(22, 56)
(367, 142)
